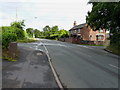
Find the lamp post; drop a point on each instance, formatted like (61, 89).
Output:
(33, 30)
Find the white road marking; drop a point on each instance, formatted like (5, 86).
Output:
(53, 70)
(85, 46)
(114, 66)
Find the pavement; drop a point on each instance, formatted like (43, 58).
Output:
(78, 66)
(31, 70)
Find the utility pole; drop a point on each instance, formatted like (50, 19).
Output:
(16, 15)
(33, 30)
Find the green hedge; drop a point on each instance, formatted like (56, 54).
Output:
(7, 38)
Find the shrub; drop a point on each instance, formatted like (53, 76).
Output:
(20, 33)
(7, 38)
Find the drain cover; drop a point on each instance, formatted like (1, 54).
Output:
(38, 54)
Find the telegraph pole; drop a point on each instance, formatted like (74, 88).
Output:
(33, 30)
(16, 15)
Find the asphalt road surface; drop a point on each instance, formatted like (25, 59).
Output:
(31, 70)
(81, 66)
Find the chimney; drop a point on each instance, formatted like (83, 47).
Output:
(74, 24)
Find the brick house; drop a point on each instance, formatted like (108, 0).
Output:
(85, 35)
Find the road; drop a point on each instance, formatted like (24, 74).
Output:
(81, 66)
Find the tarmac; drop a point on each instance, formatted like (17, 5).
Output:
(31, 70)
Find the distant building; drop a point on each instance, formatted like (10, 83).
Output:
(85, 35)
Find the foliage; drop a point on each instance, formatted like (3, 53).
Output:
(18, 24)
(54, 36)
(46, 31)
(37, 33)
(7, 38)
(106, 15)
(20, 33)
(12, 33)
(54, 32)
(29, 32)
(17, 27)
(63, 33)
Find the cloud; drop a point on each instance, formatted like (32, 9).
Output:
(51, 13)
(45, 1)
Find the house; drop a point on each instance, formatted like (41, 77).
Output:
(83, 34)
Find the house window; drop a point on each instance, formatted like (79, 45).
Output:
(96, 37)
(74, 31)
(90, 36)
(99, 37)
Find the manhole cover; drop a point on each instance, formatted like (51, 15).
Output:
(38, 54)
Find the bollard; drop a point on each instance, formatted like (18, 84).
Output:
(12, 49)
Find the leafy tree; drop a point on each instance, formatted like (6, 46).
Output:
(63, 33)
(18, 24)
(106, 15)
(46, 31)
(29, 32)
(54, 30)
(18, 29)
(37, 33)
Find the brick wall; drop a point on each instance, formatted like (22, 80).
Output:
(85, 33)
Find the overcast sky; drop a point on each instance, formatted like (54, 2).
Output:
(48, 12)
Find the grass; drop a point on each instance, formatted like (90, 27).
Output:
(6, 56)
(27, 40)
(114, 50)
(91, 45)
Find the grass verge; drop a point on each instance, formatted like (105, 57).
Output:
(6, 56)
(91, 45)
(27, 40)
(113, 50)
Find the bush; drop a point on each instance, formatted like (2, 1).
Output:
(7, 38)
(20, 33)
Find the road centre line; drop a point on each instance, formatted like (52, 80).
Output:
(114, 66)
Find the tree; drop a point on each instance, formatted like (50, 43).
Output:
(54, 30)
(18, 29)
(29, 32)
(46, 31)
(37, 33)
(18, 24)
(63, 33)
(107, 16)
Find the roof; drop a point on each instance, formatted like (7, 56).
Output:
(78, 26)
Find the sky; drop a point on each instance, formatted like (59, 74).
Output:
(39, 13)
